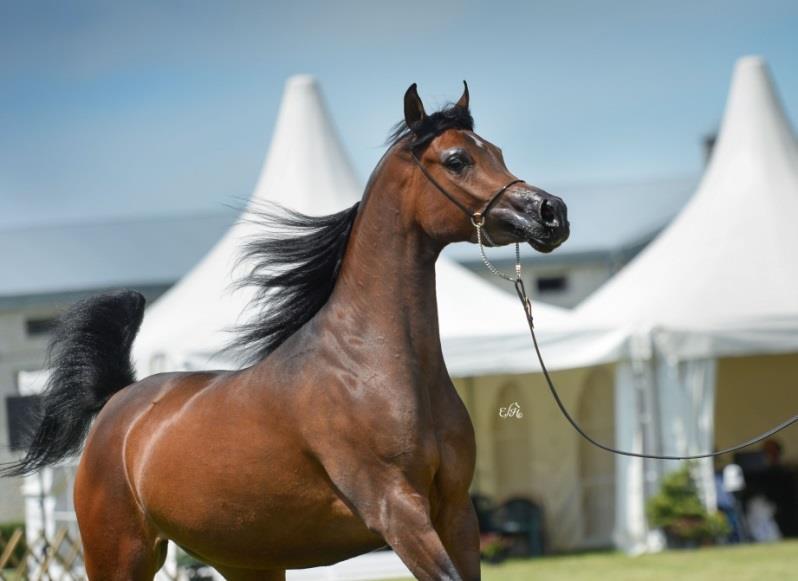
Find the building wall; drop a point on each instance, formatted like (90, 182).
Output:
(581, 280)
(19, 351)
(540, 456)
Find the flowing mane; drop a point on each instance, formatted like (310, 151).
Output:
(296, 264)
(297, 259)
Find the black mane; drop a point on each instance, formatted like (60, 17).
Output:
(450, 117)
(296, 265)
(296, 262)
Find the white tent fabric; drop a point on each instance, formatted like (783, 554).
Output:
(725, 267)
(307, 170)
(719, 281)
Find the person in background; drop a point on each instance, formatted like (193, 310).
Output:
(779, 487)
(730, 481)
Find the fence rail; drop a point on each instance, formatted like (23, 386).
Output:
(59, 558)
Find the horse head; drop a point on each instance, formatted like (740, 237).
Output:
(460, 172)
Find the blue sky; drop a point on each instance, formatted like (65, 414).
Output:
(114, 109)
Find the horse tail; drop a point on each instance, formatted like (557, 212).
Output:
(89, 358)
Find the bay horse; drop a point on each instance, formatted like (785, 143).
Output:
(345, 433)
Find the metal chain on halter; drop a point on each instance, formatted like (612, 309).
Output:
(478, 220)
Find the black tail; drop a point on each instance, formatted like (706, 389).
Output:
(89, 357)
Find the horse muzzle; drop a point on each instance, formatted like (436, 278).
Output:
(534, 216)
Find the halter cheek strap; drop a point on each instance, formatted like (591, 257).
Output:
(477, 216)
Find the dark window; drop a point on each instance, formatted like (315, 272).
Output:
(39, 327)
(551, 284)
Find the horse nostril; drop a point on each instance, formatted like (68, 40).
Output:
(548, 215)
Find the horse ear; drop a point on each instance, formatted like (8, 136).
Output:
(414, 108)
(463, 102)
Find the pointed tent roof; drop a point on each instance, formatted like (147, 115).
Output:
(724, 270)
(721, 279)
(305, 169)
(198, 309)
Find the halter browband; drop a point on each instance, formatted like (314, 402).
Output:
(478, 220)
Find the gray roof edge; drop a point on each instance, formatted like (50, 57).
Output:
(66, 297)
(607, 255)
(223, 210)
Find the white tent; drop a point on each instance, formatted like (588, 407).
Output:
(725, 268)
(720, 281)
(307, 170)
(716, 288)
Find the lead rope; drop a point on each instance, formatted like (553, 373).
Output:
(478, 220)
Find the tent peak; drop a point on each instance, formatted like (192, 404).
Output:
(755, 131)
(301, 81)
(727, 258)
(306, 168)
(751, 60)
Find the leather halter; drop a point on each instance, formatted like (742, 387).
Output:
(478, 220)
(477, 217)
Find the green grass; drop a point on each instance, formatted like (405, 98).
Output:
(772, 562)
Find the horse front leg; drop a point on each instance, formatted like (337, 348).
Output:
(458, 527)
(402, 517)
(391, 506)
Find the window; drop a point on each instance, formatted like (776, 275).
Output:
(549, 284)
(39, 327)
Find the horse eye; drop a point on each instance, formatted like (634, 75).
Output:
(456, 162)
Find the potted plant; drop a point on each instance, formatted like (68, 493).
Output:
(492, 548)
(678, 511)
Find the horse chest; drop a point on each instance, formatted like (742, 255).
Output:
(434, 436)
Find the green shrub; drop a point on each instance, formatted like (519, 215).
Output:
(677, 509)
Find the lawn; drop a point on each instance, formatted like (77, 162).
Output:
(773, 562)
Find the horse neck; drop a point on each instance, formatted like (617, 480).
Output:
(386, 286)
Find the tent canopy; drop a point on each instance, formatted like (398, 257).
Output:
(721, 279)
(723, 276)
(307, 170)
